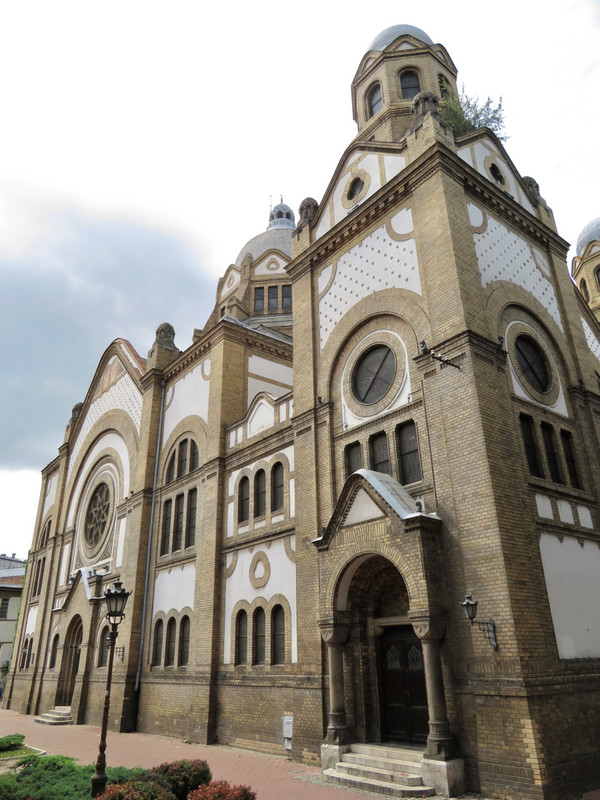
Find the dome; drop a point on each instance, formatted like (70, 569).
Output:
(590, 233)
(387, 36)
(281, 216)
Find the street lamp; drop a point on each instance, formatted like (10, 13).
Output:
(487, 628)
(116, 600)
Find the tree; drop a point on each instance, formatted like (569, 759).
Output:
(465, 114)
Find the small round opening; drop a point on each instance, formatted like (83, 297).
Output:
(355, 189)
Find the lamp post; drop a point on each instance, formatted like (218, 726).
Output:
(487, 628)
(116, 600)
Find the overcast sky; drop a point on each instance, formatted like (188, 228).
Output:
(142, 141)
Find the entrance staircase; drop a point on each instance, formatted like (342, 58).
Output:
(60, 715)
(386, 769)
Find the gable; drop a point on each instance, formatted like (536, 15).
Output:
(362, 509)
(231, 280)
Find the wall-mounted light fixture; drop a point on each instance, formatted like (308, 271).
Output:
(487, 628)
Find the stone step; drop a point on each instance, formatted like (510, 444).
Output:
(380, 786)
(401, 752)
(390, 773)
(61, 715)
(382, 762)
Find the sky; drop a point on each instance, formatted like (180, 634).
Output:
(142, 144)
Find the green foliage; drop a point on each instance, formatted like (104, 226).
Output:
(465, 114)
(185, 775)
(222, 790)
(137, 790)
(11, 742)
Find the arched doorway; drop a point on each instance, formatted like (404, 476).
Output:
(383, 660)
(70, 662)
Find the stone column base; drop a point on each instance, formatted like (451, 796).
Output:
(332, 753)
(447, 777)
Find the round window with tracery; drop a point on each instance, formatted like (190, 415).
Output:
(97, 515)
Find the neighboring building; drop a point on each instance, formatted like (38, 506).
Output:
(393, 403)
(11, 586)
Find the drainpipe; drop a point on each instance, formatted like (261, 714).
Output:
(151, 526)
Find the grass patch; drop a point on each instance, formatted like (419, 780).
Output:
(18, 753)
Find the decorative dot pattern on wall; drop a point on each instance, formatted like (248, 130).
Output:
(378, 262)
(590, 337)
(504, 256)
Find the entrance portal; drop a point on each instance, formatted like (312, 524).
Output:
(70, 663)
(404, 696)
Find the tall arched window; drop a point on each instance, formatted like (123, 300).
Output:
(277, 487)
(244, 500)
(190, 523)
(158, 643)
(241, 637)
(170, 643)
(258, 636)
(194, 457)
(278, 635)
(53, 652)
(184, 642)
(45, 534)
(103, 645)
(171, 470)
(260, 493)
(585, 291)
(409, 83)
(374, 100)
(409, 464)
(166, 528)
(178, 526)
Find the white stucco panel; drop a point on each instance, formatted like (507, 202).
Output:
(174, 589)
(31, 620)
(481, 153)
(272, 370)
(571, 570)
(271, 264)
(362, 509)
(258, 385)
(261, 418)
(282, 581)
(187, 396)
(585, 517)
(544, 506)
(231, 280)
(120, 541)
(50, 497)
(64, 562)
(591, 338)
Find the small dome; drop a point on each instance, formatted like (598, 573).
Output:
(387, 36)
(590, 233)
(281, 216)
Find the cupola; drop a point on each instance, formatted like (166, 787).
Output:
(586, 265)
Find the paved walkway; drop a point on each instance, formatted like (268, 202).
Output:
(271, 777)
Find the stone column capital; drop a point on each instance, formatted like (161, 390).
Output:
(333, 631)
(427, 626)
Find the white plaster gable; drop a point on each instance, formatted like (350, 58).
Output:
(231, 280)
(374, 169)
(386, 258)
(187, 396)
(174, 589)
(262, 416)
(362, 509)
(50, 497)
(502, 255)
(270, 264)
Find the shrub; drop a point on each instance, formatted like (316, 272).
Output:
(136, 790)
(222, 790)
(12, 742)
(185, 775)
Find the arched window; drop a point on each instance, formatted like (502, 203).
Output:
(409, 83)
(24, 654)
(260, 493)
(53, 652)
(184, 642)
(45, 533)
(258, 636)
(597, 273)
(374, 100)
(190, 523)
(170, 643)
(166, 528)
(158, 643)
(178, 526)
(103, 647)
(584, 290)
(278, 635)
(241, 638)
(194, 457)
(277, 487)
(171, 469)
(244, 500)
(409, 465)
(182, 461)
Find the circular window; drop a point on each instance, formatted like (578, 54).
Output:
(533, 364)
(96, 518)
(374, 374)
(356, 188)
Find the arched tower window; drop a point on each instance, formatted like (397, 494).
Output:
(241, 637)
(260, 493)
(374, 100)
(53, 652)
(409, 84)
(184, 642)
(258, 636)
(170, 643)
(584, 290)
(277, 487)
(103, 647)
(278, 635)
(244, 500)
(158, 643)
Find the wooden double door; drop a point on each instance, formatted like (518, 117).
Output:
(404, 696)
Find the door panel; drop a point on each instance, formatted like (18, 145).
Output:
(403, 683)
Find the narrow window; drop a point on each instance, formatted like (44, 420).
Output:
(183, 458)
(531, 449)
(194, 458)
(166, 528)
(409, 82)
(260, 493)
(170, 643)
(409, 465)
(171, 470)
(259, 299)
(36, 579)
(278, 635)
(551, 453)
(584, 290)
(104, 644)
(24, 654)
(277, 487)
(244, 500)
(374, 100)
(45, 534)
(597, 274)
(569, 451)
(190, 523)
(158, 643)
(29, 654)
(241, 637)
(184, 642)
(178, 527)
(286, 298)
(380, 460)
(53, 652)
(353, 457)
(258, 636)
(273, 298)
(4, 608)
